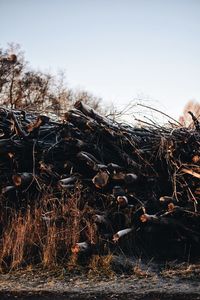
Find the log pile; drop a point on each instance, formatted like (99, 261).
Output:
(142, 184)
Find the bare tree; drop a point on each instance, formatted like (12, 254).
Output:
(11, 68)
(22, 87)
(194, 107)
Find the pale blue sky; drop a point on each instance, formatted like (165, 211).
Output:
(117, 49)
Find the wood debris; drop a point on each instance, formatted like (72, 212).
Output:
(139, 182)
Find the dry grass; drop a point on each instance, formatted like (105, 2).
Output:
(101, 266)
(183, 270)
(45, 234)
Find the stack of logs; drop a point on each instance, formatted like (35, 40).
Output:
(142, 182)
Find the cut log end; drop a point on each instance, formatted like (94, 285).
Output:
(171, 207)
(22, 179)
(122, 201)
(101, 179)
(130, 178)
(80, 247)
(120, 234)
(165, 199)
(196, 159)
(17, 180)
(146, 218)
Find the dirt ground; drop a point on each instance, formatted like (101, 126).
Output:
(145, 283)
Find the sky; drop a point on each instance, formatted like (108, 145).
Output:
(119, 50)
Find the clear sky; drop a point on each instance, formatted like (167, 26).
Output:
(117, 49)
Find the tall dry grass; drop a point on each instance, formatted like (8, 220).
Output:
(46, 232)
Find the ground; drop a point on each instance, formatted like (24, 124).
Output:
(181, 283)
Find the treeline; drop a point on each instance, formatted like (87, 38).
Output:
(22, 87)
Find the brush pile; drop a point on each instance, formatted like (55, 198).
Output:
(130, 189)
